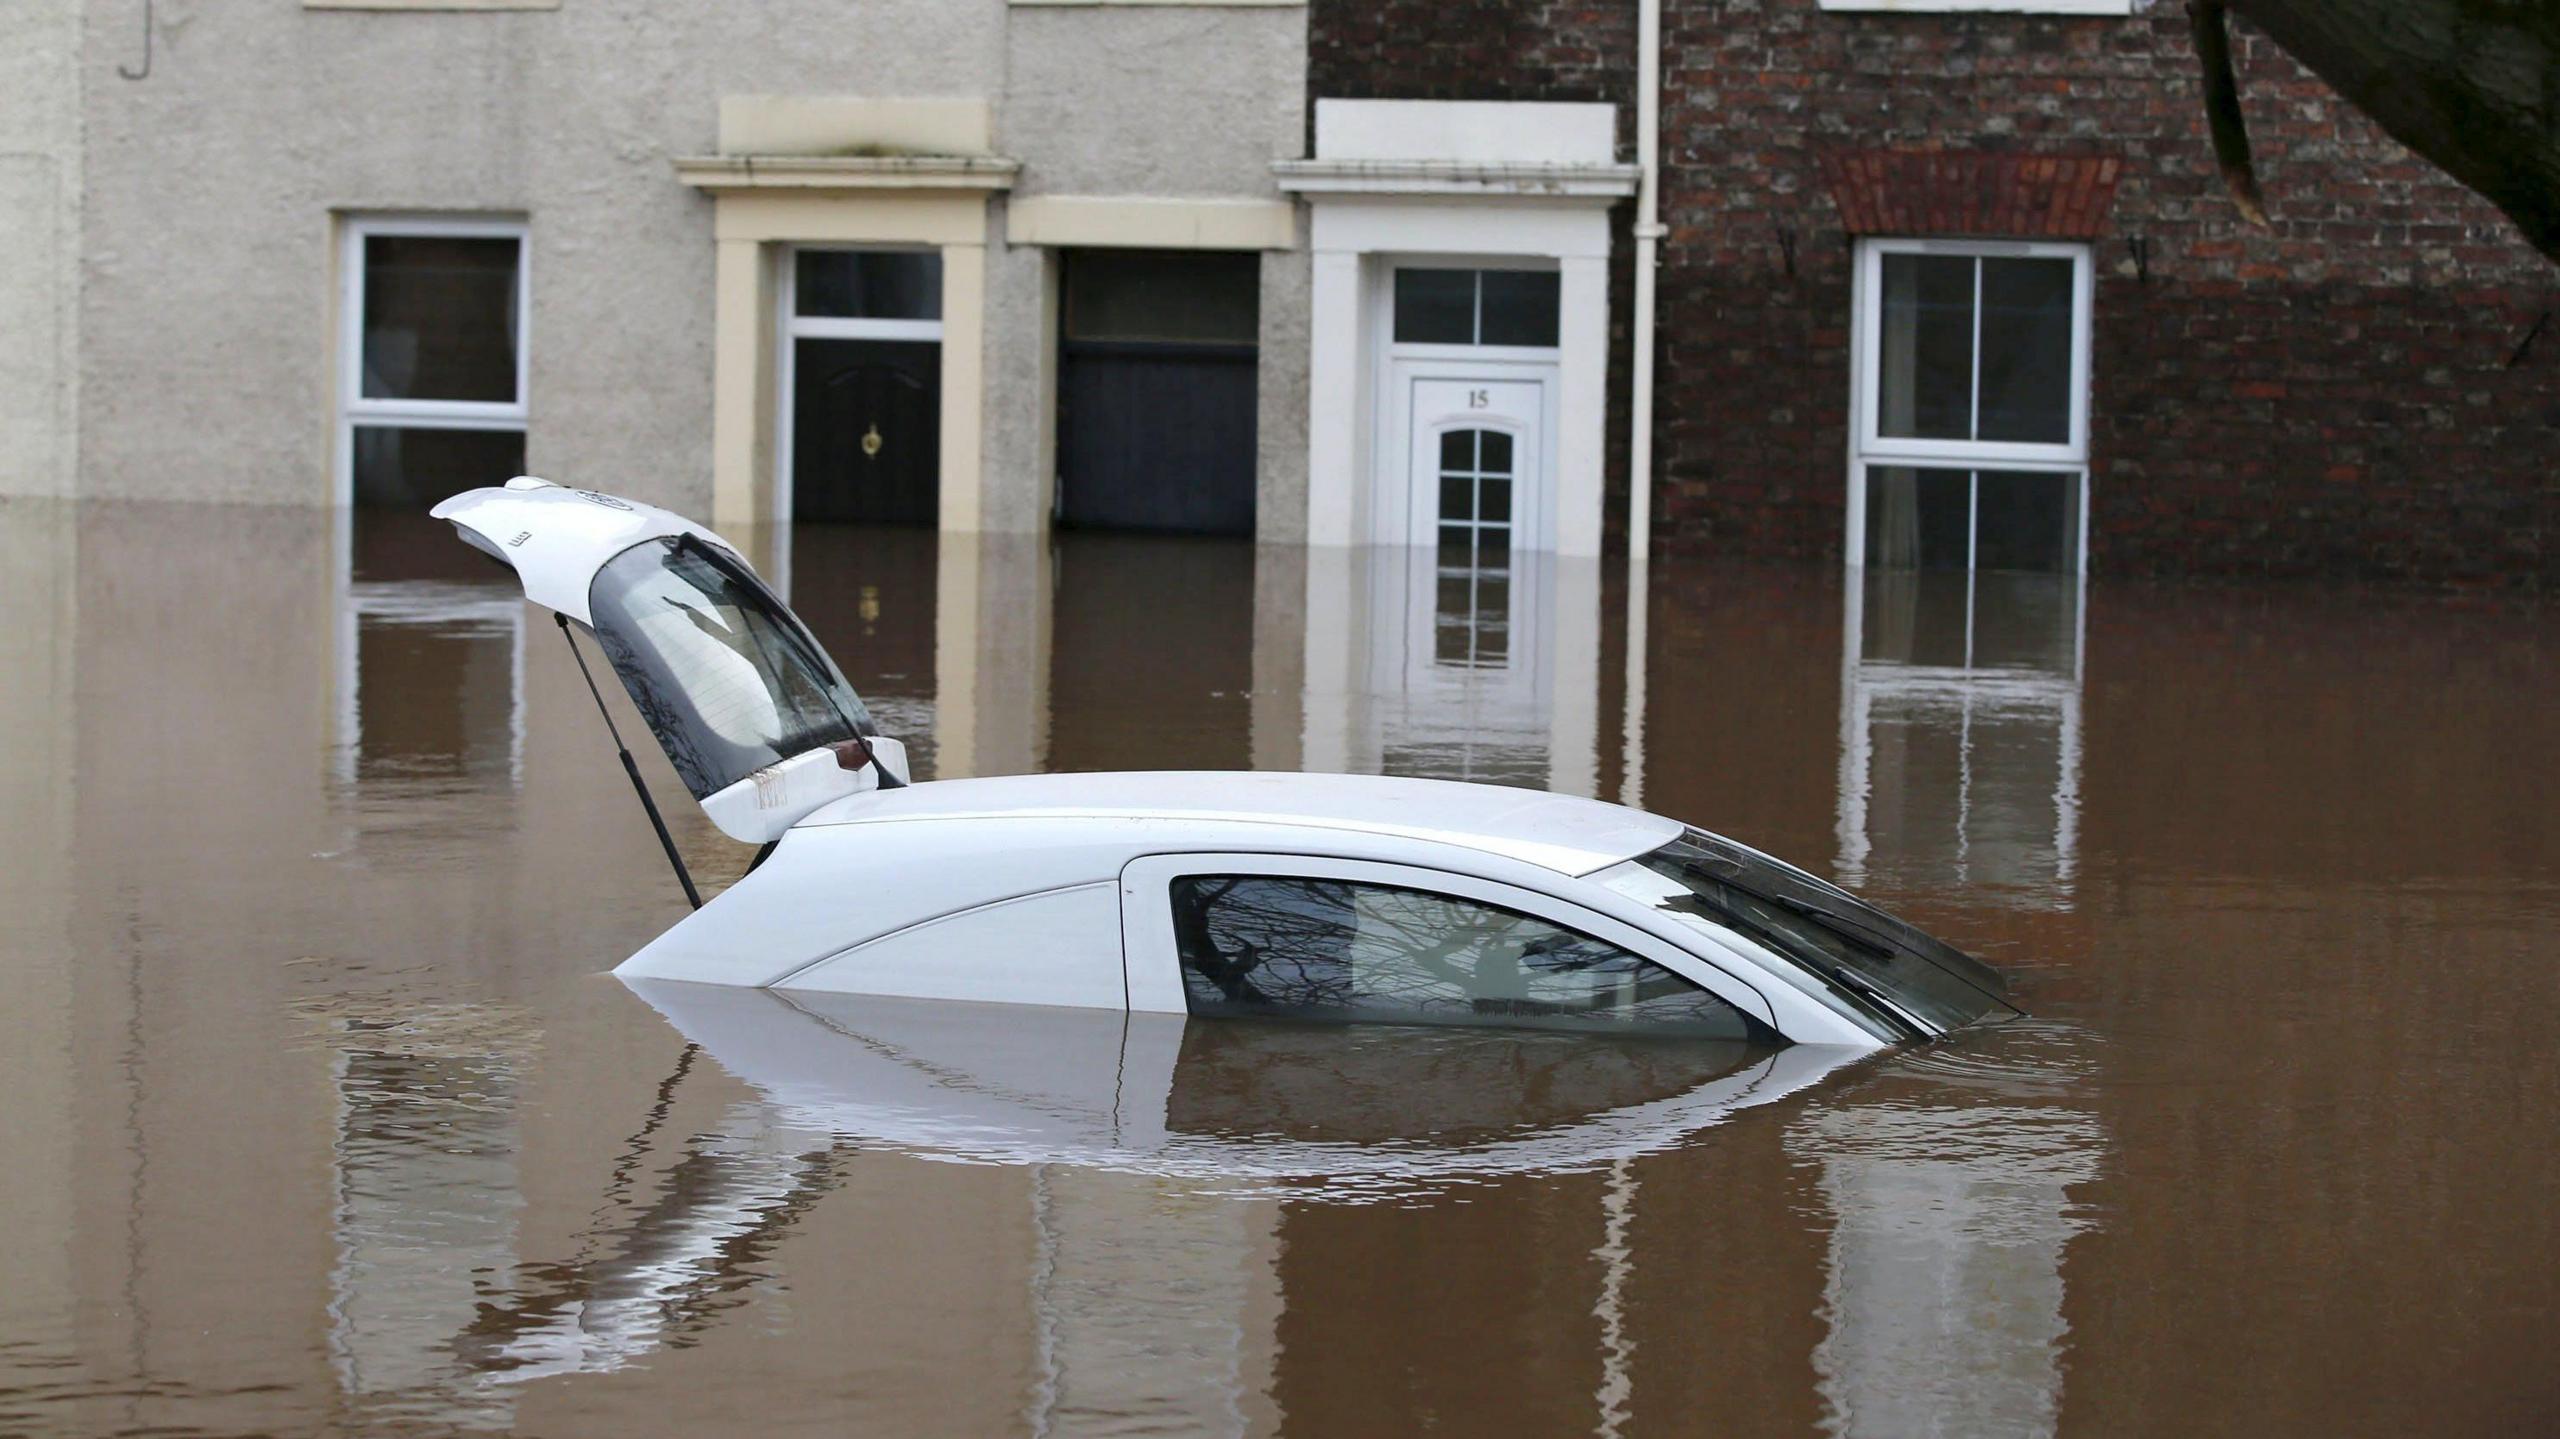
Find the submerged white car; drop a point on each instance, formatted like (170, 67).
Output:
(1315, 897)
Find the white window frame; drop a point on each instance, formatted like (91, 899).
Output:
(1395, 366)
(1869, 448)
(1385, 302)
(790, 327)
(354, 407)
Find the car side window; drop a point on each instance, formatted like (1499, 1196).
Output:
(1329, 949)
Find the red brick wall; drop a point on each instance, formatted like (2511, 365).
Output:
(2333, 397)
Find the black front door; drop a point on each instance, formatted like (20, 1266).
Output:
(1157, 393)
(866, 439)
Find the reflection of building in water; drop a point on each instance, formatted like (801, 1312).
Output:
(1475, 662)
(442, 664)
(1960, 731)
(870, 596)
(1944, 1284)
(39, 1127)
(1156, 1307)
(427, 1147)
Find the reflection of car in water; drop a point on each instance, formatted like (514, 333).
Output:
(1358, 1108)
(1316, 1113)
(1319, 897)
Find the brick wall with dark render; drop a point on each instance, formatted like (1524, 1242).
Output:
(2350, 394)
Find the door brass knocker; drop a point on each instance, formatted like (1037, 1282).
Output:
(871, 442)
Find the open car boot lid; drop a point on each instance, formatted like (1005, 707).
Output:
(753, 714)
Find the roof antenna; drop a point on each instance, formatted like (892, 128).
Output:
(631, 767)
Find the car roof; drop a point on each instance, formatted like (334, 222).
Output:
(1558, 832)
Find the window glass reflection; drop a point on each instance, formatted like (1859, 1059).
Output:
(2026, 351)
(1163, 296)
(1478, 307)
(1520, 307)
(411, 467)
(439, 675)
(1925, 379)
(868, 284)
(440, 317)
(1443, 1087)
(1337, 950)
(1435, 307)
(727, 679)
(1942, 519)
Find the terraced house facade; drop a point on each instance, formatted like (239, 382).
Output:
(1941, 285)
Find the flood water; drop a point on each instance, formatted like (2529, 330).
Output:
(318, 1113)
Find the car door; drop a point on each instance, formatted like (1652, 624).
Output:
(1310, 937)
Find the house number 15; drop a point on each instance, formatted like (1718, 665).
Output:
(1479, 399)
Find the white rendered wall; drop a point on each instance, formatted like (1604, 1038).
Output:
(1481, 131)
(40, 77)
(207, 348)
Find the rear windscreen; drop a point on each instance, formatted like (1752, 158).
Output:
(726, 677)
(1844, 940)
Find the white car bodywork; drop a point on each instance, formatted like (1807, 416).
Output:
(1059, 890)
(1052, 889)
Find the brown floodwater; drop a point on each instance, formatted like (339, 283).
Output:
(319, 1114)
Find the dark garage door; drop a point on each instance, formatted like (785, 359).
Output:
(1156, 391)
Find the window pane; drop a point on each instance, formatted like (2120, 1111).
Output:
(1457, 497)
(1520, 307)
(1494, 504)
(1457, 547)
(1334, 950)
(869, 284)
(1497, 452)
(726, 677)
(440, 318)
(2026, 350)
(411, 469)
(1918, 519)
(1458, 450)
(1924, 376)
(2027, 521)
(1172, 296)
(1435, 307)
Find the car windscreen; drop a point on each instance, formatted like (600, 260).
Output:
(726, 678)
(1849, 943)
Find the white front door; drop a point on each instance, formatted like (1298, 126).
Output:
(1475, 472)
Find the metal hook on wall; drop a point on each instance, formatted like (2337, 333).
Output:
(1787, 249)
(2524, 346)
(128, 72)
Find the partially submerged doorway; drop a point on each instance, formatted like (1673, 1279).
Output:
(1157, 390)
(862, 386)
(1471, 365)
